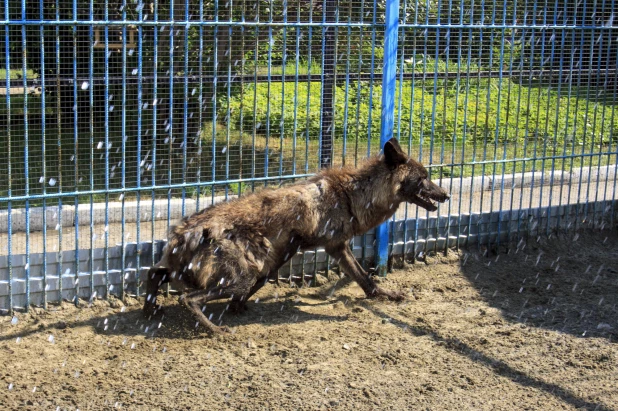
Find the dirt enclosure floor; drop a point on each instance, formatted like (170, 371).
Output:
(534, 328)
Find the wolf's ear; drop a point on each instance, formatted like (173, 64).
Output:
(393, 154)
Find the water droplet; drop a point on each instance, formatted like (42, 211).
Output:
(10, 386)
(134, 72)
(224, 150)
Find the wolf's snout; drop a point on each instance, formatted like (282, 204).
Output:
(435, 192)
(445, 195)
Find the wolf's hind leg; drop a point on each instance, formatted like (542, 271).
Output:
(195, 300)
(155, 278)
(239, 302)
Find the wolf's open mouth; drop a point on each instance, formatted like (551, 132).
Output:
(425, 200)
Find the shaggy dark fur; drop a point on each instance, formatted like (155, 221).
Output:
(230, 250)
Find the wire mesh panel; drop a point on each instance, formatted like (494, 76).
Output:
(512, 106)
(121, 117)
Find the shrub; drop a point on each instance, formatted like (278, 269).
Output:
(473, 109)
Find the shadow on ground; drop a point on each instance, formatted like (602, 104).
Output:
(566, 283)
(499, 367)
(176, 322)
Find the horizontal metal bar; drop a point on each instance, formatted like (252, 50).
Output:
(494, 26)
(339, 77)
(180, 23)
(228, 23)
(526, 159)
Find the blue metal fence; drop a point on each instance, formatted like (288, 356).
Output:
(121, 117)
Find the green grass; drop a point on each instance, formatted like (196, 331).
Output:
(441, 157)
(290, 69)
(15, 74)
(483, 110)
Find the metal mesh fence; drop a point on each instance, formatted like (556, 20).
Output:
(121, 117)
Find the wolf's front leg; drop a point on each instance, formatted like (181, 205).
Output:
(352, 268)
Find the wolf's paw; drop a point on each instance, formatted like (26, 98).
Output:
(238, 307)
(390, 295)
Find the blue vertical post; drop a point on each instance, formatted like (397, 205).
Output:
(329, 60)
(389, 77)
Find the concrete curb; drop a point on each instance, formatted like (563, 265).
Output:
(87, 216)
(529, 179)
(161, 207)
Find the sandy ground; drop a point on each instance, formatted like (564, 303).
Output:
(534, 326)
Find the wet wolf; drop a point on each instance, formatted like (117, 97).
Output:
(230, 250)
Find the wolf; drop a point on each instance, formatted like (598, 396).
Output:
(231, 249)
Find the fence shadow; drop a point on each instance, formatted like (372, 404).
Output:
(499, 367)
(177, 322)
(567, 283)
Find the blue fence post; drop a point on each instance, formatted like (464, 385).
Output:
(329, 60)
(389, 77)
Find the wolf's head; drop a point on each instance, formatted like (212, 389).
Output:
(413, 186)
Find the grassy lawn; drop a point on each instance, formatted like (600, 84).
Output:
(16, 74)
(482, 110)
(290, 69)
(441, 158)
